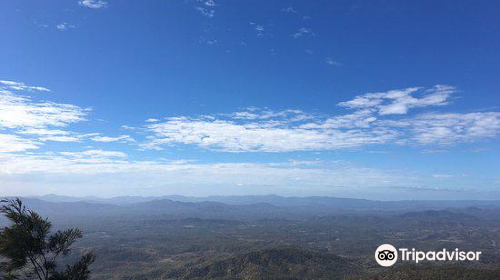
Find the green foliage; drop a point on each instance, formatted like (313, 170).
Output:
(78, 271)
(30, 251)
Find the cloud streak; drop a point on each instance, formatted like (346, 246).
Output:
(12, 143)
(207, 9)
(22, 112)
(449, 129)
(302, 32)
(19, 86)
(262, 136)
(24, 119)
(400, 101)
(375, 120)
(107, 139)
(93, 4)
(64, 26)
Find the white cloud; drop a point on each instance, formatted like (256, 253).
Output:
(261, 135)
(64, 26)
(303, 31)
(59, 138)
(20, 86)
(360, 119)
(107, 139)
(22, 112)
(450, 129)
(39, 120)
(401, 100)
(44, 132)
(330, 61)
(56, 135)
(260, 29)
(12, 143)
(374, 122)
(210, 3)
(442, 176)
(254, 114)
(95, 154)
(208, 12)
(93, 4)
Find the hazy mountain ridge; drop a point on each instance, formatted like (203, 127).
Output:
(318, 202)
(264, 207)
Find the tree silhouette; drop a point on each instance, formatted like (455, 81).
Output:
(29, 251)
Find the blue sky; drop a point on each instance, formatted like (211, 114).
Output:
(370, 99)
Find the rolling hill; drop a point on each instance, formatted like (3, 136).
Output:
(285, 263)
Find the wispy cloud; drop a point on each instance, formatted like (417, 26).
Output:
(55, 135)
(12, 143)
(93, 4)
(332, 62)
(260, 29)
(210, 42)
(257, 130)
(442, 175)
(20, 86)
(302, 32)
(209, 3)
(34, 122)
(24, 113)
(401, 100)
(252, 113)
(95, 154)
(371, 123)
(107, 139)
(64, 26)
(268, 136)
(449, 129)
(207, 9)
(44, 132)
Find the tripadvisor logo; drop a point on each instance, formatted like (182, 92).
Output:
(387, 255)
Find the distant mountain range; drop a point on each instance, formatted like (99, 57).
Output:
(233, 207)
(317, 202)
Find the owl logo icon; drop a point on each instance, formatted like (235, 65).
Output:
(386, 255)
